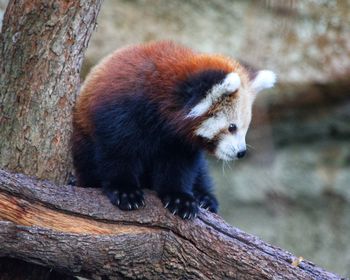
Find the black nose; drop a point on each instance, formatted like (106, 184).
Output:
(241, 154)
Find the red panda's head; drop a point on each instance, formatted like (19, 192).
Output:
(223, 115)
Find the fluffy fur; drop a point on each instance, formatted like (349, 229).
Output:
(146, 113)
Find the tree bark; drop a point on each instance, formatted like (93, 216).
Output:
(13, 269)
(77, 231)
(41, 51)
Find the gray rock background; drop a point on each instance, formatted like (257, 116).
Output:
(293, 189)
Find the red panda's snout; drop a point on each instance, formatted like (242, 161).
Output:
(222, 138)
(231, 147)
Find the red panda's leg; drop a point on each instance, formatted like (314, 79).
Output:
(120, 181)
(173, 180)
(117, 155)
(202, 189)
(83, 152)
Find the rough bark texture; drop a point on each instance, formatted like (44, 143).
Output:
(41, 51)
(12, 269)
(77, 231)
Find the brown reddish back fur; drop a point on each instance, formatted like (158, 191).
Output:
(159, 66)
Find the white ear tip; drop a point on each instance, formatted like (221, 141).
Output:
(264, 79)
(232, 82)
(269, 77)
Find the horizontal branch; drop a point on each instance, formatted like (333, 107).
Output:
(78, 231)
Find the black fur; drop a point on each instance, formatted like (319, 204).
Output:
(133, 148)
(195, 87)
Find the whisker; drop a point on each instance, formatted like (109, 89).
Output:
(250, 147)
(230, 165)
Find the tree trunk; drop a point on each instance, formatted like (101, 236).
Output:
(41, 51)
(78, 231)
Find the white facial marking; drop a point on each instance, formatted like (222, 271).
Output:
(230, 145)
(265, 79)
(200, 108)
(210, 127)
(230, 84)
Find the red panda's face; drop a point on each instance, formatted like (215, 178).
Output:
(226, 112)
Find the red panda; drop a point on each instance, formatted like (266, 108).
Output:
(146, 114)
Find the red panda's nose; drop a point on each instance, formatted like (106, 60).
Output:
(241, 154)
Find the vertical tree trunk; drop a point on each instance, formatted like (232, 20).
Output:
(41, 51)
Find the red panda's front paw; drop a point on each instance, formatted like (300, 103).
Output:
(181, 204)
(208, 202)
(127, 200)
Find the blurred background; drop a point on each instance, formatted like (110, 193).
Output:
(293, 188)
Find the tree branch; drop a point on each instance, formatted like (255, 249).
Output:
(78, 231)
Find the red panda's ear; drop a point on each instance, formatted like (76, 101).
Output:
(229, 85)
(263, 79)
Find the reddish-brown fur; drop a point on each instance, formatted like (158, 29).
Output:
(162, 72)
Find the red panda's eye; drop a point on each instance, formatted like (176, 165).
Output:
(232, 128)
